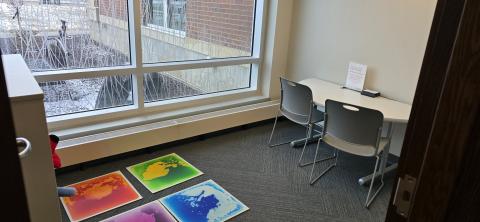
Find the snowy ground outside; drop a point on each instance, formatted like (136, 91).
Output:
(71, 96)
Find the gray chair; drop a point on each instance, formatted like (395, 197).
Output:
(356, 130)
(296, 104)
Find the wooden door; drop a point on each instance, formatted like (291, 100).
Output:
(442, 144)
(12, 186)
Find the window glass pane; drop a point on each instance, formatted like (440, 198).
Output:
(157, 16)
(176, 14)
(79, 95)
(196, 29)
(55, 35)
(184, 83)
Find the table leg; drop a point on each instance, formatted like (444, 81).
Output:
(383, 164)
(366, 179)
(311, 139)
(300, 142)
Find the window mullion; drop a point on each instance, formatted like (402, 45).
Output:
(135, 23)
(165, 14)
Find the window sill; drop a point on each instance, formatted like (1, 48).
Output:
(152, 117)
(171, 128)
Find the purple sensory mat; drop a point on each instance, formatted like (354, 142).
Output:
(151, 212)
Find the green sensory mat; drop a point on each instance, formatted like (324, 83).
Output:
(164, 172)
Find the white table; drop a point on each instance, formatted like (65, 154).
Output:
(393, 111)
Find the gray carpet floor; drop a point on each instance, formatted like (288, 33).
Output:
(266, 179)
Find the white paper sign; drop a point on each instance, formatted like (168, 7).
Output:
(356, 76)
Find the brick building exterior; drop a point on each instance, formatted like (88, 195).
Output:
(113, 8)
(224, 22)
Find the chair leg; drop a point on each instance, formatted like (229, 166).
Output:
(300, 164)
(304, 145)
(369, 199)
(271, 134)
(309, 131)
(335, 156)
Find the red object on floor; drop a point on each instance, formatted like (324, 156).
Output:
(57, 163)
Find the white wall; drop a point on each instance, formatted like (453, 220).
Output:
(389, 36)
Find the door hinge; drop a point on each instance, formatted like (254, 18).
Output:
(404, 194)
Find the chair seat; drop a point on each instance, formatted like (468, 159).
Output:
(317, 116)
(357, 149)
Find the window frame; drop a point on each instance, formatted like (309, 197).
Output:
(137, 69)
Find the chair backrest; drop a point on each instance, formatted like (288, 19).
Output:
(353, 124)
(295, 98)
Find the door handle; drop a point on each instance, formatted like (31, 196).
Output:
(25, 146)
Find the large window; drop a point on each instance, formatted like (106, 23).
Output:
(100, 54)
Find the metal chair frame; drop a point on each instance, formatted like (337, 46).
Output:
(380, 158)
(309, 124)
